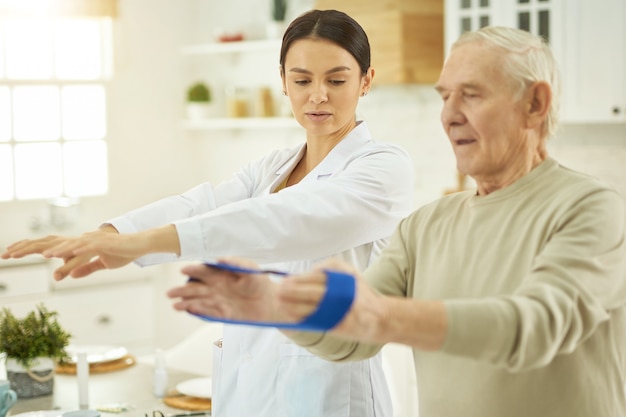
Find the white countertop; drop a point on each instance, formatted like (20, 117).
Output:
(26, 260)
(131, 386)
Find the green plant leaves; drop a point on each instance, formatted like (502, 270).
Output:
(199, 92)
(36, 335)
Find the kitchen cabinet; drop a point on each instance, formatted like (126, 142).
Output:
(588, 40)
(594, 68)
(541, 17)
(406, 37)
(120, 314)
(227, 63)
(95, 310)
(467, 15)
(22, 278)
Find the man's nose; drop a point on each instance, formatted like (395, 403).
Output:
(452, 113)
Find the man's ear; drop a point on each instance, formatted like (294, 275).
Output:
(538, 100)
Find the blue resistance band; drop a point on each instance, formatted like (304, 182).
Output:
(340, 290)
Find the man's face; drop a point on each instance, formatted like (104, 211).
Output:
(482, 116)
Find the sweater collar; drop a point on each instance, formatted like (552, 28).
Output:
(544, 168)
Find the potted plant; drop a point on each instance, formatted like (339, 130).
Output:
(198, 101)
(279, 10)
(33, 345)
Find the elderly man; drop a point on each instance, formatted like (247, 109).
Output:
(512, 295)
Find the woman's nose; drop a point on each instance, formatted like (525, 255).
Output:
(319, 94)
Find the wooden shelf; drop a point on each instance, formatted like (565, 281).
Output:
(241, 123)
(232, 47)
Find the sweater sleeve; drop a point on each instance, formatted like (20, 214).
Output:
(569, 291)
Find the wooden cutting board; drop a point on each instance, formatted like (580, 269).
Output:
(99, 367)
(185, 402)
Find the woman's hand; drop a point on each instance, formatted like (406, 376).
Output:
(102, 249)
(227, 295)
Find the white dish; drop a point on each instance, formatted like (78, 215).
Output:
(96, 353)
(42, 413)
(196, 387)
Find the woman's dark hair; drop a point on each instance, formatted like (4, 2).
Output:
(331, 25)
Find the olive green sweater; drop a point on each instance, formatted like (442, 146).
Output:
(533, 277)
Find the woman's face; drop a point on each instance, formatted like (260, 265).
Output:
(323, 82)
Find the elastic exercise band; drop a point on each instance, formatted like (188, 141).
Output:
(340, 290)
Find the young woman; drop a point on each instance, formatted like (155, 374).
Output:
(339, 194)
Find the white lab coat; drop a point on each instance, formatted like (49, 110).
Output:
(346, 207)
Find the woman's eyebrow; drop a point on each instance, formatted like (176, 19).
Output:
(330, 71)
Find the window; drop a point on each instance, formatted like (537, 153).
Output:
(53, 105)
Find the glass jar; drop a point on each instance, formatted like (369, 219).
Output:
(265, 103)
(237, 102)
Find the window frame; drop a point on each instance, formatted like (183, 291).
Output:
(106, 35)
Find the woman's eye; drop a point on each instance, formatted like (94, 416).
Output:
(301, 82)
(337, 82)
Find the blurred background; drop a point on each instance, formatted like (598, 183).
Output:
(106, 105)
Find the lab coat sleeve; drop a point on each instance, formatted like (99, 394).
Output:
(360, 202)
(194, 202)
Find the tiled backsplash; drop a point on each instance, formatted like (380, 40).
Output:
(599, 150)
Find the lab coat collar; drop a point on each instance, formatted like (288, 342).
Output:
(357, 137)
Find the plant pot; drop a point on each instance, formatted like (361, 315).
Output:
(199, 111)
(36, 381)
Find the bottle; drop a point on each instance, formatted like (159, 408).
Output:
(159, 378)
(265, 103)
(82, 374)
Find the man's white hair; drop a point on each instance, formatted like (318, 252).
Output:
(529, 59)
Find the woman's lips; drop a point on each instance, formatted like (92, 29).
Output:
(318, 116)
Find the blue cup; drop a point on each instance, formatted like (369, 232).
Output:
(7, 397)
